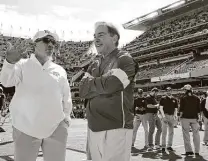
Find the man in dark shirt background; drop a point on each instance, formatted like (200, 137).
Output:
(168, 109)
(204, 111)
(190, 114)
(153, 119)
(140, 106)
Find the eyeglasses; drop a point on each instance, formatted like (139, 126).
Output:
(47, 40)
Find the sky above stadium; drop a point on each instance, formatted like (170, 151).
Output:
(72, 19)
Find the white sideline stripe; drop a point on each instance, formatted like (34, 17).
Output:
(122, 76)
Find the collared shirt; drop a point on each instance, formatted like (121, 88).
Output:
(151, 100)
(141, 103)
(190, 106)
(42, 98)
(169, 105)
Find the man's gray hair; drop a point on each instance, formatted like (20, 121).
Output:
(112, 29)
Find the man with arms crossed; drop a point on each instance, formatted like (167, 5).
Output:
(41, 106)
(153, 119)
(140, 106)
(108, 88)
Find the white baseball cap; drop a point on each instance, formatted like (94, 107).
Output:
(187, 87)
(41, 34)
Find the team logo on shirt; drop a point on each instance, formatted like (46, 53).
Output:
(56, 74)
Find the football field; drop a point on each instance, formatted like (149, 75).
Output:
(77, 142)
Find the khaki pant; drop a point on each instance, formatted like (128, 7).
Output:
(186, 123)
(205, 129)
(111, 145)
(138, 119)
(168, 124)
(26, 147)
(154, 121)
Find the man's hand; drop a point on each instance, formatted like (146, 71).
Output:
(14, 53)
(175, 117)
(164, 119)
(87, 75)
(199, 117)
(67, 120)
(137, 108)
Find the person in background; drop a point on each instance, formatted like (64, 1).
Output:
(168, 109)
(190, 114)
(140, 106)
(204, 110)
(153, 119)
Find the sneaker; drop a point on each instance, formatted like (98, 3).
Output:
(146, 147)
(163, 150)
(151, 148)
(157, 147)
(188, 153)
(205, 143)
(134, 150)
(170, 149)
(196, 154)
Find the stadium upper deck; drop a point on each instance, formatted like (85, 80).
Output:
(173, 46)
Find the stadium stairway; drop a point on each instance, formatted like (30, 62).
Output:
(172, 71)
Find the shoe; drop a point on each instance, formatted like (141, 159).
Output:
(175, 126)
(170, 149)
(151, 147)
(163, 150)
(201, 129)
(134, 150)
(157, 147)
(196, 154)
(2, 130)
(205, 143)
(146, 147)
(188, 153)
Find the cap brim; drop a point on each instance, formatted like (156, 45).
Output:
(42, 34)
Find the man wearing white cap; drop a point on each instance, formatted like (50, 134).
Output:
(41, 106)
(190, 114)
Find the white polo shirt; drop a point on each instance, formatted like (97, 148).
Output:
(42, 98)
